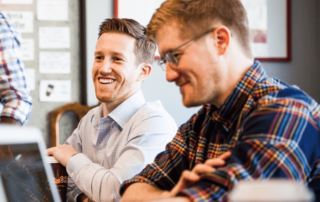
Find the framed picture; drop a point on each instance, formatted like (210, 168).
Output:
(269, 23)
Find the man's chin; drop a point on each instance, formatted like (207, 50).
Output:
(104, 99)
(190, 103)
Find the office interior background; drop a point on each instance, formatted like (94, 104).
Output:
(84, 17)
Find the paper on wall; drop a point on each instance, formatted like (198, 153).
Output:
(55, 91)
(54, 62)
(27, 49)
(54, 37)
(58, 10)
(16, 1)
(30, 78)
(21, 20)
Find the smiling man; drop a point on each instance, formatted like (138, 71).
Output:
(117, 139)
(250, 126)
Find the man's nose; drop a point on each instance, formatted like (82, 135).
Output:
(106, 66)
(171, 72)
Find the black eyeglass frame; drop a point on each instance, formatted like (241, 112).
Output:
(171, 56)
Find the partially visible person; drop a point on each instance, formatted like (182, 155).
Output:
(15, 101)
(115, 140)
(272, 129)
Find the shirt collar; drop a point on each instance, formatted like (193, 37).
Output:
(232, 107)
(122, 113)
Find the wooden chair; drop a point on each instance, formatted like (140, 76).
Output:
(55, 116)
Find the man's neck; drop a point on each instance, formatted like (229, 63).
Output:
(108, 107)
(237, 67)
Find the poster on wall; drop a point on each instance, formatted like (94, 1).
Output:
(54, 62)
(54, 37)
(55, 91)
(269, 24)
(21, 20)
(58, 10)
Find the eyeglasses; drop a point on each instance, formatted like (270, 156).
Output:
(173, 56)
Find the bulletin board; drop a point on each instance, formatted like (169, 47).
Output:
(51, 52)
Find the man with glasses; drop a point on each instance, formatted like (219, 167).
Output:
(250, 126)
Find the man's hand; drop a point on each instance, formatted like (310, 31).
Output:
(189, 177)
(62, 153)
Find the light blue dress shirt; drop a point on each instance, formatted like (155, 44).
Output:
(115, 148)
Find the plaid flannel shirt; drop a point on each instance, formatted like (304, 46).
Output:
(272, 130)
(15, 102)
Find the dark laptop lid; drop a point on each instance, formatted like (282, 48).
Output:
(25, 174)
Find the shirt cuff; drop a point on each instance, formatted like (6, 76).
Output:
(18, 109)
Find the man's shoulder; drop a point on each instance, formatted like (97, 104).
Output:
(92, 112)
(152, 112)
(289, 99)
(283, 95)
(152, 108)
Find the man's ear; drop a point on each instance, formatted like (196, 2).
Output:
(222, 38)
(144, 71)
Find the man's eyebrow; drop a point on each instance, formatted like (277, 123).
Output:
(117, 53)
(111, 53)
(170, 50)
(97, 52)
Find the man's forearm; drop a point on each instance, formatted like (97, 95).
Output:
(143, 191)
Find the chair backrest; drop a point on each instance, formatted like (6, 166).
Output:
(55, 117)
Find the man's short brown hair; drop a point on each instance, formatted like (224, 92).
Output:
(195, 16)
(144, 47)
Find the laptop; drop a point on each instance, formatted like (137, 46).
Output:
(25, 174)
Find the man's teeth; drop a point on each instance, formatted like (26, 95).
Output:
(106, 81)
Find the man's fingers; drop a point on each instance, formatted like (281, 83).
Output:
(202, 168)
(219, 161)
(215, 162)
(51, 150)
(189, 177)
(225, 155)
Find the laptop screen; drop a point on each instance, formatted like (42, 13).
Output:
(23, 171)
